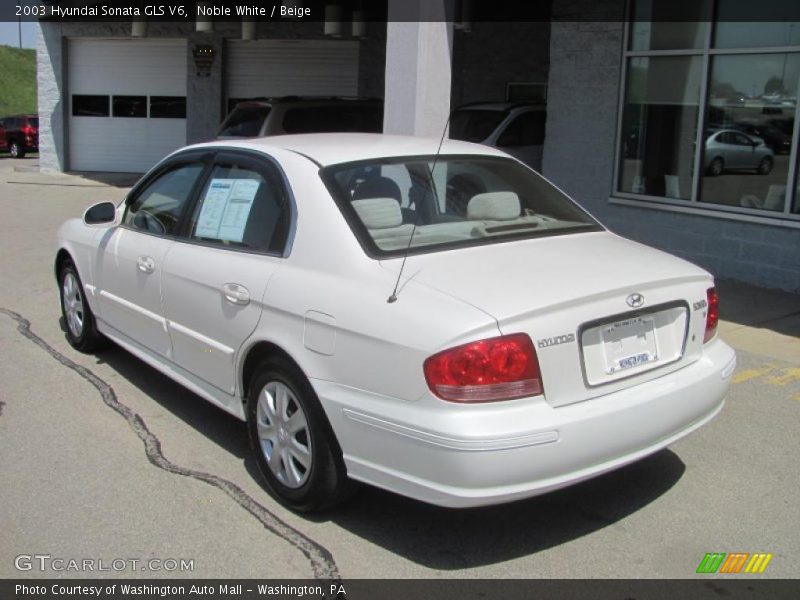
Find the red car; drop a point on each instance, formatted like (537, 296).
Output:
(19, 134)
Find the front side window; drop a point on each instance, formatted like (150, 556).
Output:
(242, 208)
(435, 203)
(158, 207)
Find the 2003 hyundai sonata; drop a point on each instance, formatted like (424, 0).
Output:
(436, 320)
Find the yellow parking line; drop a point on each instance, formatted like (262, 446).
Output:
(749, 374)
(787, 376)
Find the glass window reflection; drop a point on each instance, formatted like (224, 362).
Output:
(749, 127)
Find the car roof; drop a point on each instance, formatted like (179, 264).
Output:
(304, 100)
(335, 148)
(500, 106)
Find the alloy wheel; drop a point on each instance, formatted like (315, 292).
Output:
(283, 434)
(73, 304)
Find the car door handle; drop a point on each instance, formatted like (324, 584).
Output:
(236, 294)
(146, 264)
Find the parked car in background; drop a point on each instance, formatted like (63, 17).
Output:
(778, 140)
(292, 114)
(19, 134)
(318, 288)
(516, 128)
(730, 149)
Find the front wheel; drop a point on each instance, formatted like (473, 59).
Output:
(294, 445)
(716, 167)
(16, 150)
(765, 166)
(79, 322)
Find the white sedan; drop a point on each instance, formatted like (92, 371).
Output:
(369, 327)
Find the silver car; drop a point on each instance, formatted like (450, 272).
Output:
(728, 149)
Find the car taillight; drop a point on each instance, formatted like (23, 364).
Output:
(712, 316)
(500, 368)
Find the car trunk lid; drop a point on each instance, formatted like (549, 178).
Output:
(603, 312)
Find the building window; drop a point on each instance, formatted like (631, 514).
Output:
(709, 109)
(130, 106)
(90, 106)
(167, 107)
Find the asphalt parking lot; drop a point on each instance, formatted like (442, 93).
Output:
(101, 457)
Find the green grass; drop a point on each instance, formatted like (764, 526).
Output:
(17, 80)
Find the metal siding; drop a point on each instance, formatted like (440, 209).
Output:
(124, 67)
(292, 67)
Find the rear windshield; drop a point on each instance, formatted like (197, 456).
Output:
(244, 121)
(326, 119)
(472, 125)
(427, 203)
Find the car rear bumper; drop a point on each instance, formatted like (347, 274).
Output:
(461, 456)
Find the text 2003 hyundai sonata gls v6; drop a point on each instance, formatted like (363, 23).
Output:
(446, 325)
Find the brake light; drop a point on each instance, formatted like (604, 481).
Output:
(712, 316)
(28, 130)
(500, 368)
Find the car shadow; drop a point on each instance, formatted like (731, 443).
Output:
(435, 537)
(451, 539)
(222, 428)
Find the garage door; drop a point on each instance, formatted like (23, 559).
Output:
(127, 103)
(271, 68)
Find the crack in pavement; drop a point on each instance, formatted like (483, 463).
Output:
(322, 562)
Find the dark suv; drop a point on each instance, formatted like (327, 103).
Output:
(280, 116)
(19, 134)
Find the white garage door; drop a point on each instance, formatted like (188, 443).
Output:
(271, 68)
(127, 102)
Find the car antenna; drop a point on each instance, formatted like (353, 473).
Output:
(393, 297)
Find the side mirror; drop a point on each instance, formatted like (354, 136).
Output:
(103, 213)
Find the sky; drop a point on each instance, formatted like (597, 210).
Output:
(9, 34)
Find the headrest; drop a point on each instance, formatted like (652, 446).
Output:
(379, 213)
(493, 206)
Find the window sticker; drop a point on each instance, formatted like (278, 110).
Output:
(226, 207)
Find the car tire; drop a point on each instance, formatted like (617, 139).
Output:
(716, 167)
(293, 443)
(79, 322)
(16, 150)
(765, 166)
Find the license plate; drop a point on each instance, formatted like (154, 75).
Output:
(628, 344)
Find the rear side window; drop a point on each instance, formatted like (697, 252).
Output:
(244, 121)
(525, 130)
(157, 209)
(474, 125)
(241, 207)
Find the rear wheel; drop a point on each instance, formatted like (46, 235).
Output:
(16, 150)
(79, 322)
(294, 445)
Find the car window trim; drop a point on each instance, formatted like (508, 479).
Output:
(249, 160)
